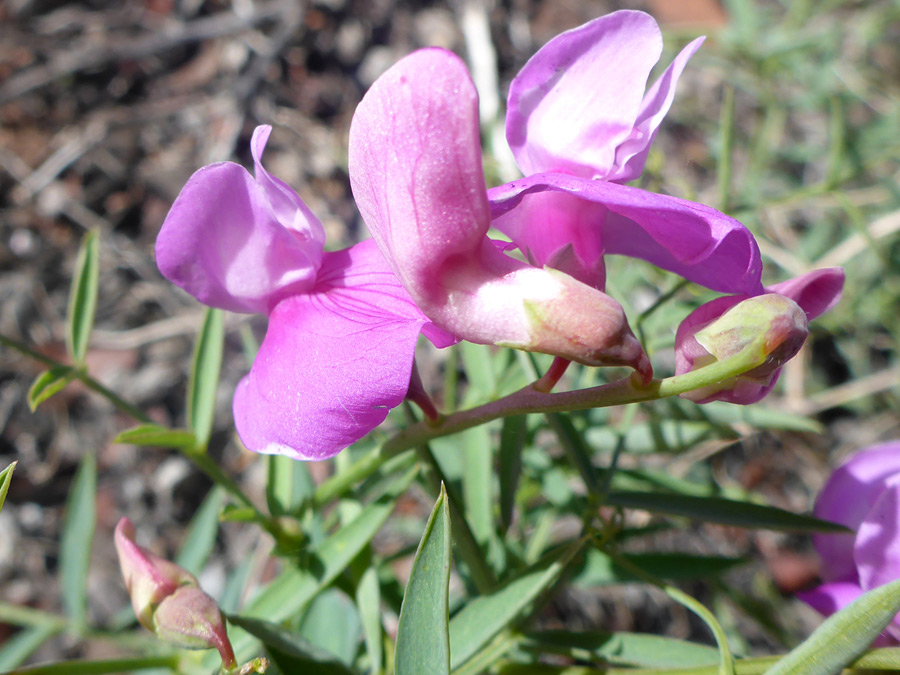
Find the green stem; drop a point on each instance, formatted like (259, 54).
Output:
(200, 459)
(82, 667)
(529, 400)
(726, 663)
(27, 616)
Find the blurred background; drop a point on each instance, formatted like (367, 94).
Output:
(788, 118)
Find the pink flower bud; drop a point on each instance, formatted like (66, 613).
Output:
(190, 618)
(773, 324)
(148, 578)
(167, 600)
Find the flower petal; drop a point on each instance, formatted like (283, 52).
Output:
(334, 361)
(691, 240)
(877, 547)
(415, 167)
(850, 493)
(593, 77)
(631, 154)
(832, 597)
(286, 205)
(816, 292)
(223, 244)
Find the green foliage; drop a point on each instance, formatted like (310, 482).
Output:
(77, 540)
(539, 504)
(204, 380)
(83, 298)
(423, 641)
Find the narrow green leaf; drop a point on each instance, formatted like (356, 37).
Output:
(292, 590)
(288, 485)
(83, 298)
(722, 511)
(368, 602)
(599, 569)
(200, 537)
(77, 539)
(512, 440)
(478, 475)
(636, 649)
(577, 449)
(479, 368)
(205, 369)
(423, 641)
(480, 620)
(844, 636)
(291, 652)
(5, 481)
(154, 434)
(332, 623)
(21, 645)
(48, 383)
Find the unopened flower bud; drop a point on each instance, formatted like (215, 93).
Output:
(585, 325)
(167, 600)
(190, 618)
(772, 324)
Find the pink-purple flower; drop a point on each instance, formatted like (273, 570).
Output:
(811, 294)
(416, 173)
(580, 124)
(864, 495)
(338, 352)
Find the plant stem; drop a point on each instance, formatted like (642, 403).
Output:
(529, 400)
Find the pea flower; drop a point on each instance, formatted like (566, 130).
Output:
(416, 174)
(864, 495)
(167, 600)
(797, 302)
(580, 124)
(338, 351)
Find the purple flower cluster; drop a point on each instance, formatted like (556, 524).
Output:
(343, 326)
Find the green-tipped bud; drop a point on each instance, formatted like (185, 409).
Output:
(772, 326)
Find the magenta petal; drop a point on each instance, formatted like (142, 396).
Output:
(816, 292)
(222, 243)
(692, 240)
(578, 97)
(877, 547)
(848, 496)
(832, 597)
(632, 153)
(285, 204)
(415, 167)
(334, 361)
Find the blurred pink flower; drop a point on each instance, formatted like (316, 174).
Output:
(814, 293)
(338, 352)
(864, 495)
(580, 124)
(416, 173)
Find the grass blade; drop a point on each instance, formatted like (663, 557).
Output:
(423, 640)
(83, 298)
(77, 538)
(205, 369)
(722, 511)
(480, 620)
(201, 535)
(5, 481)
